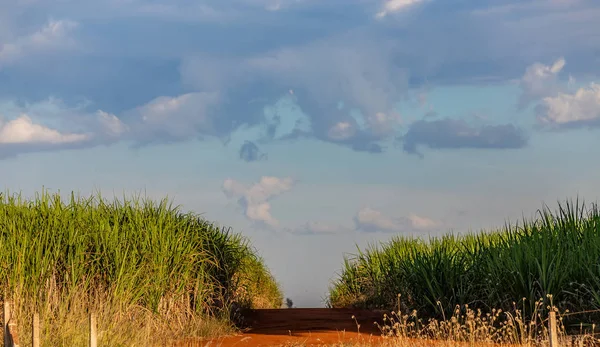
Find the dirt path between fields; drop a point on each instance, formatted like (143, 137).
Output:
(316, 327)
(303, 327)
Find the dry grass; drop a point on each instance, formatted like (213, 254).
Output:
(466, 327)
(67, 324)
(473, 327)
(150, 272)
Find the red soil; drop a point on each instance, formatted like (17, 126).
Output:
(303, 326)
(315, 327)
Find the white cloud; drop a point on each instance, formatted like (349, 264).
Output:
(319, 228)
(392, 6)
(261, 212)
(540, 81)
(370, 220)
(56, 31)
(182, 116)
(111, 124)
(163, 118)
(100, 125)
(579, 108)
(64, 126)
(52, 36)
(233, 188)
(255, 199)
(341, 131)
(422, 223)
(22, 130)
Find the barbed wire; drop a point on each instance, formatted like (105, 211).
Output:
(580, 312)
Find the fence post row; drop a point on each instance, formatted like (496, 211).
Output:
(11, 337)
(10, 329)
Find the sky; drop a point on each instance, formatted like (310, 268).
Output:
(311, 127)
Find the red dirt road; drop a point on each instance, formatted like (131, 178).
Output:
(316, 327)
(303, 326)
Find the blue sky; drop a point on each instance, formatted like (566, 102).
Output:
(309, 126)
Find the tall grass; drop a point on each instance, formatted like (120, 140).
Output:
(555, 256)
(149, 270)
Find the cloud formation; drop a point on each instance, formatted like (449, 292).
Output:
(54, 35)
(576, 110)
(255, 199)
(370, 220)
(23, 131)
(450, 133)
(540, 81)
(318, 228)
(161, 120)
(162, 89)
(22, 135)
(348, 68)
(181, 117)
(110, 125)
(52, 125)
(392, 6)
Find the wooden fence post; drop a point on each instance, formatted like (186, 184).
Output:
(11, 337)
(93, 336)
(35, 330)
(5, 319)
(552, 330)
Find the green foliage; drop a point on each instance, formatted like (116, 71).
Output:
(130, 255)
(556, 255)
